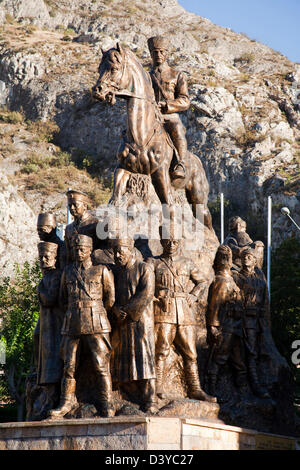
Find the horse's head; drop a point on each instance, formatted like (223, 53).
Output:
(111, 75)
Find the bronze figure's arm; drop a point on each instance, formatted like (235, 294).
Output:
(197, 278)
(49, 297)
(144, 294)
(181, 101)
(108, 288)
(63, 292)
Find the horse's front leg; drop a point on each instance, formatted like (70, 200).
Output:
(121, 178)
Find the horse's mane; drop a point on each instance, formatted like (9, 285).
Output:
(134, 58)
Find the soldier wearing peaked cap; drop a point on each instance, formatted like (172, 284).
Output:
(88, 293)
(84, 223)
(174, 312)
(171, 94)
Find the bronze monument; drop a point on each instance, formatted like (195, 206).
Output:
(146, 147)
(224, 322)
(255, 301)
(49, 363)
(174, 313)
(123, 334)
(87, 292)
(133, 335)
(171, 95)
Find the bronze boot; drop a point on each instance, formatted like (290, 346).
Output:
(67, 399)
(149, 394)
(193, 382)
(105, 397)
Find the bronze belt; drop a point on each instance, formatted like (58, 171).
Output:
(85, 303)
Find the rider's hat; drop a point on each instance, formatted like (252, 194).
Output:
(158, 42)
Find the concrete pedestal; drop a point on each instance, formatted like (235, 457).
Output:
(136, 433)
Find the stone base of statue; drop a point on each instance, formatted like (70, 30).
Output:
(137, 433)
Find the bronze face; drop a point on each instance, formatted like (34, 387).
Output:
(47, 260)
(122, 255)
(248, 260)
(82, 253)
(44, 231)
(170, 246)
(159, 56)
(77, 207)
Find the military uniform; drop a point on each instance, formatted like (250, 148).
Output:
(225, 314)
(87, 225)
(87, 292)
(50, 322)
(175, 318)
(170, 87)
(255, 300)
(255, 304)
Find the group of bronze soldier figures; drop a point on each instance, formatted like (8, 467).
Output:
(87, 281)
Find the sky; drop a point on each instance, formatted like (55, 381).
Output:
(275, 23)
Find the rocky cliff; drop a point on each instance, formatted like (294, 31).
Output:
(244, 121)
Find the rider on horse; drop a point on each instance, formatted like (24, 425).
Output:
(171, 94)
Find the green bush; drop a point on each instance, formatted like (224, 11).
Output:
(19, 311)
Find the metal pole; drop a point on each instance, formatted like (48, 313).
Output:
(68, 211)
(222, 217)
(269, 245)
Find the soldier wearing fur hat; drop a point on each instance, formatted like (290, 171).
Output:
(88, 293)
(171, 94)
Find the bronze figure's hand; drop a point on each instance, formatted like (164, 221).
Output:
(120, 314)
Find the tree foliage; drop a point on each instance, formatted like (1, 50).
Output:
(19, 311)
(285, 296)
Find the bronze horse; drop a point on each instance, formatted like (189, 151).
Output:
(146, 148)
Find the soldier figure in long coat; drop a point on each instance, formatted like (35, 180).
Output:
(174, 313)
(255, 299)
(46, 229)
(49, 367)
(224, 321)
(88, 293)
(171, 94)
(133, 337)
